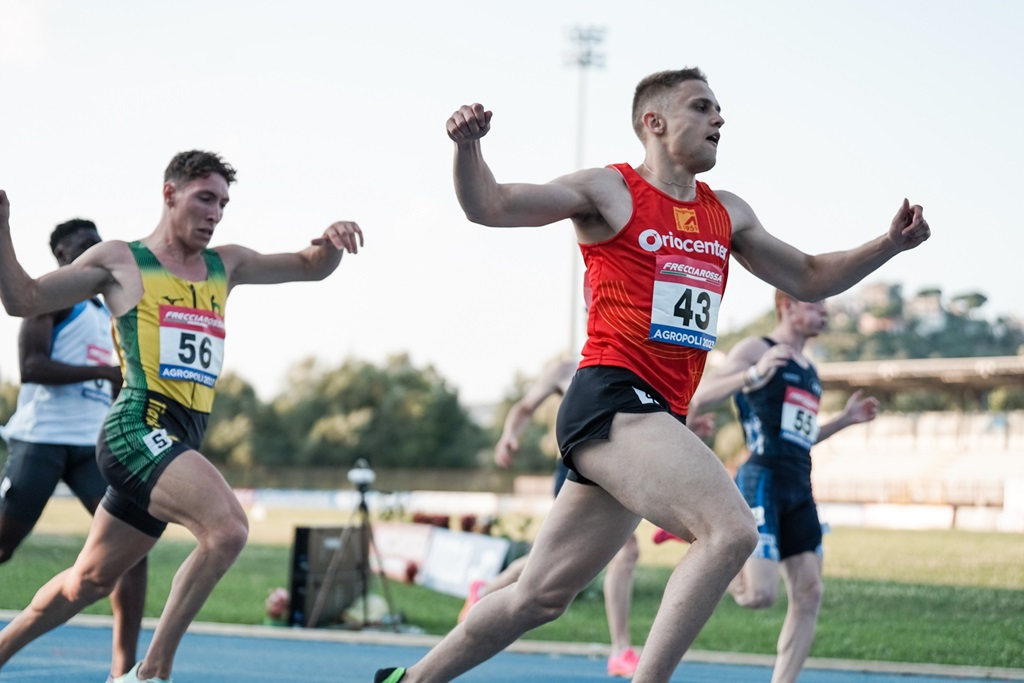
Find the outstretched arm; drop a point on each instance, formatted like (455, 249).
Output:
(25, 296)
(749, 366)
(812, 278)
(550, 382)
(488, 202)
(315, 262)
(858, 409)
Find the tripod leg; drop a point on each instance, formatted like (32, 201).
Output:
(332, 570)
(364, 564)
(383, 578)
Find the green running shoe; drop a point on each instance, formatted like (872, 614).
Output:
(392, 675)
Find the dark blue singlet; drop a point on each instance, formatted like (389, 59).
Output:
(786, 449)
(780, 424)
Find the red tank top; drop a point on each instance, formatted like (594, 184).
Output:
(657, 287)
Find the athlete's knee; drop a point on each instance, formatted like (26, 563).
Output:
(759, 597)
(736, 538)
(232, 537)
(229, 537)
(536, 607)
(808, 594)
(86, 586)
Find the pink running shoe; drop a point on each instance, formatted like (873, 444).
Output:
(660, 536)
(624, 664)
(472, 597)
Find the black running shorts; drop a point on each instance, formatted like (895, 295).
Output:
(785, 512)
(33, 471)
(142, 434)
(596, 394)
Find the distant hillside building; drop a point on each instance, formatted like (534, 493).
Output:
(926, 312)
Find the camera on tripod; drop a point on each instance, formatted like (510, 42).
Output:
(346, 571)
(361, 476)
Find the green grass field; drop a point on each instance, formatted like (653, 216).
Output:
(934, 597)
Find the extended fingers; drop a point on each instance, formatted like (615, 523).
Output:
(350, 236)
(343, 235)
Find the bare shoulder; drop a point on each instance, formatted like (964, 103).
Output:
(609, 197)
(109, 254)
(747, 231)
(107, 264)
(607, 184)
(740, 212)
(107, 268)
(233, 255)
(750, 346)
(746, 352)
(594, 183)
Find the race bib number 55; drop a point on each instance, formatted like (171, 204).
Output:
(800, 417)
(191, 344)
(687, 296)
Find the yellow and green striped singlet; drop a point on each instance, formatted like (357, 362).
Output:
(172, 342)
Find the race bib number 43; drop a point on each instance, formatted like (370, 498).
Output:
(191, 344)
(800, 417)
(687, 296)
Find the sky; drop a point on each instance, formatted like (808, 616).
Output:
(835, 111)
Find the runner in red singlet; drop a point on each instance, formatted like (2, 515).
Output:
(656, 243)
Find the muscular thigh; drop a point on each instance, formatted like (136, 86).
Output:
(658, 469)
(193, 493)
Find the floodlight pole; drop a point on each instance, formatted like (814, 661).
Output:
(585, 54)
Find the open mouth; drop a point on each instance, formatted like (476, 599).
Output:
(714, 138)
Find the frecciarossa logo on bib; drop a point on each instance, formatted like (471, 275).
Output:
(652, 240)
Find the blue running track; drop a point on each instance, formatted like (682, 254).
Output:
(210, 653)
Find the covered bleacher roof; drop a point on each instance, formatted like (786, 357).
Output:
(942, 374)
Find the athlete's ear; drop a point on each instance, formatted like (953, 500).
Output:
(169, 191)
(653, 123)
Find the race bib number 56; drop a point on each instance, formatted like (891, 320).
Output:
(687, 296)
(191, 344)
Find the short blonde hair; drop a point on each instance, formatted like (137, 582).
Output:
(657, 85)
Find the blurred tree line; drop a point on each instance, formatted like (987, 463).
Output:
(397, 415)
(394, 415)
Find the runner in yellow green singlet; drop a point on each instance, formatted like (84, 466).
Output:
(172, 347)
(167, 293)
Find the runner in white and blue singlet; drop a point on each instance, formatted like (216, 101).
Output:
(68, 378)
